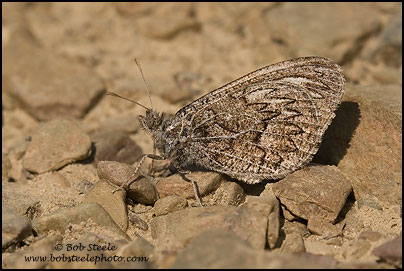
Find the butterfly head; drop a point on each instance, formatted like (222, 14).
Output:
(152, 121)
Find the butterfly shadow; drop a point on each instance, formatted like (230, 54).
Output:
(337, 138)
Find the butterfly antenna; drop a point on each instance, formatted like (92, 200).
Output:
(151, 104)
(119, 96)
(144, 80)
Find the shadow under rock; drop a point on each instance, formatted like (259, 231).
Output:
(339, 134)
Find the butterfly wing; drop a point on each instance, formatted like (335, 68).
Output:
(265, 124)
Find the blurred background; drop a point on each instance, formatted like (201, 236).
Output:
(65, 55)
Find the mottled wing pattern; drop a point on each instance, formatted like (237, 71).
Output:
(267, 123)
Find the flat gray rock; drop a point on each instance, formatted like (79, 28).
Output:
(112, 200)
(216, 248)
(61, 219)
(56, 144)
(182, 226)
(169, 204)
(289, 24)
(391, 251)
(14, 227)
(223, 249)
(314, 191)
(48, 86)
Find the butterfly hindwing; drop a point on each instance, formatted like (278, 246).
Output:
(265, 124)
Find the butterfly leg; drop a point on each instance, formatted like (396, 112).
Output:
(196, 192)
(194, 184)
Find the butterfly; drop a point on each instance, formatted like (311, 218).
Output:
(264, 125)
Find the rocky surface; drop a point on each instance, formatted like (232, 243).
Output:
(391, 251)
(229, 193)
(112, 200)
(169, 204)
(123, 175)
(115, 145)
(315, 191)
(60, 220)
(54, 145)
(68, 150)
(15, 228)
(70, 89)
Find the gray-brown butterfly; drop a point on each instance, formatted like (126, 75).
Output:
(263, 125)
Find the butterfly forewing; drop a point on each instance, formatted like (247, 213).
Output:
(265, 124)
